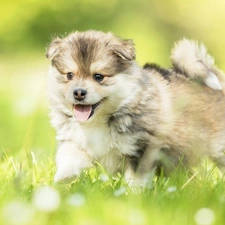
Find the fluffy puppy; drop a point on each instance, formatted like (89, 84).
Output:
(106, 108)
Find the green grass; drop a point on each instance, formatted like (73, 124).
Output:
(28, 194)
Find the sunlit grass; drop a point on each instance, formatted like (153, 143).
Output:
(28, 194)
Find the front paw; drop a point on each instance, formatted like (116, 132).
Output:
(66, 174)
(68, 171)
(139, 181)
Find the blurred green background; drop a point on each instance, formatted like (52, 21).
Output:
(27, 26)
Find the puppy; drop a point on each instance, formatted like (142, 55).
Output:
(107, 108)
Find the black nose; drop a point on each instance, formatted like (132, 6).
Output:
(79, 94)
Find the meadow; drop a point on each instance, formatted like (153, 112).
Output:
(28, 195)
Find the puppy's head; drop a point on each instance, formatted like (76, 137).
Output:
(91, 72)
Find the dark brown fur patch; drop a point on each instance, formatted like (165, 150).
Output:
(164, 72)
(141, 146)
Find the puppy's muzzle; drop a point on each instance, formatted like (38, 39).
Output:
(79, 94)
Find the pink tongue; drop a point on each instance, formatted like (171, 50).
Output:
(82, 112)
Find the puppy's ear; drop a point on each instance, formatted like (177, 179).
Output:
(125, 50)
(53, 48)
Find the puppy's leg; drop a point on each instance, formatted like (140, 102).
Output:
(70, 161)
(143, 175)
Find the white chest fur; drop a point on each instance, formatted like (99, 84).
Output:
(96, 140)
(100, 140)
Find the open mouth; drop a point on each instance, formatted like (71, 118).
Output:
(84, 112)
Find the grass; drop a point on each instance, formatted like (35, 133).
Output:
(28, 194)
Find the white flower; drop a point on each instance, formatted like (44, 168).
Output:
(46, 199)
(18, 213)
(172, 189)
(104, 177)
(137, 217)
(76, 199)
(204, 216)
(120, 191)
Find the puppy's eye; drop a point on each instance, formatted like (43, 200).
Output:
(98, 77)
(70, 76)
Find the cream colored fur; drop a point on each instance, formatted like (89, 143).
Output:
(146, 117)
(193, 59)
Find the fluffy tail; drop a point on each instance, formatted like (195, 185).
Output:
(192, 59)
